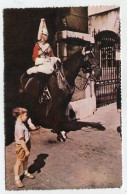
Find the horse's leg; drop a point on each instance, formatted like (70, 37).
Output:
(62, 136)
(63, 108)
(58, 120)
(55, 118)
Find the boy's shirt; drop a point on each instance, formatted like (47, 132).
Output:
(21, 131)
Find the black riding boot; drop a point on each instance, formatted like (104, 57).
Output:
(42, 83)
(43, 93)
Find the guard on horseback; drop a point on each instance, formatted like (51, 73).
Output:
(61, 83)
(44, 59)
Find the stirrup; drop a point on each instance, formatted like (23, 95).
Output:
(41, 99)
(45, 97)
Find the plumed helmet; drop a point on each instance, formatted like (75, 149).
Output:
(42, 29)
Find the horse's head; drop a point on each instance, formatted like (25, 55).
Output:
(90, 64)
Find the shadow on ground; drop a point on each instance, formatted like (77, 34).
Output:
(71, 126)
(38, 164)
(77, 125)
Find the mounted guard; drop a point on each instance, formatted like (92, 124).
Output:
(44, 59)
(60, 83)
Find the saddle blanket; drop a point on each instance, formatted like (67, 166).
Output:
(46, 68)
(43, 65)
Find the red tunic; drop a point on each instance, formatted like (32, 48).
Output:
(35, 52)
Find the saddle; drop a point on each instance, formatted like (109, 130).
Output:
(33, 81)
(32, 86)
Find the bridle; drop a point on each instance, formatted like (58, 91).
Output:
(90, 77)
(87, 82)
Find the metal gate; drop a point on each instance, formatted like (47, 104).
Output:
(106, 48)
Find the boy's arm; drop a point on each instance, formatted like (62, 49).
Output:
(23, 144)
(31, 125)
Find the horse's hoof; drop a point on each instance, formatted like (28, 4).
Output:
(63, 134)
(61, 139)
(66, 136)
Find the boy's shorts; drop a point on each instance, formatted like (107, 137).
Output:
(20, 152)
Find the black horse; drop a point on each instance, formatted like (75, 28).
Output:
(51, 114)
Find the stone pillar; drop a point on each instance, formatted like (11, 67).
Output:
(62, 52)
(75, 20)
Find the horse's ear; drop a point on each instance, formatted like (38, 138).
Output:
(84, 51)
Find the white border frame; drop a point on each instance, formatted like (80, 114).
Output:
(67, 3)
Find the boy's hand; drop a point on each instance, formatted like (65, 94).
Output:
(31, 125)
(27, 153)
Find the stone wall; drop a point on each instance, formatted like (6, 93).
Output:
(109, 20)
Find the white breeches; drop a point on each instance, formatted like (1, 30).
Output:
(43, 65)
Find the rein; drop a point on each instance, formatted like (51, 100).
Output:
(90, 77)
(71, 88)
(85, 85)
(62, 75)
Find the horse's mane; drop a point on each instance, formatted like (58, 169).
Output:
(71, 59)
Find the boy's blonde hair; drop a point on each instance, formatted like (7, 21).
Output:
(18, 111)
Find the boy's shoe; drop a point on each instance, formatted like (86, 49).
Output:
(19, 183)
(29, 176)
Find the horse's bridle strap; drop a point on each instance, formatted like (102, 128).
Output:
(65, 81)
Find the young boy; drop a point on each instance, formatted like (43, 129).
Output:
(22, 139)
